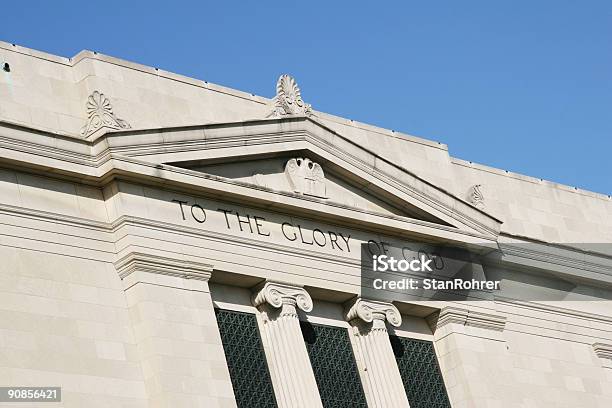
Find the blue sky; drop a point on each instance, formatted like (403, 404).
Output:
(525, 86)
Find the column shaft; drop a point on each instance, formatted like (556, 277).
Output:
(381, 378)
(292, 375)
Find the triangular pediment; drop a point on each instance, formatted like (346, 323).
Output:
(248, 161)
(304, 174)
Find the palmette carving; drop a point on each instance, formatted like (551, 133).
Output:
(306, 177)
(288, 99)
(100, 114)
(476, 196)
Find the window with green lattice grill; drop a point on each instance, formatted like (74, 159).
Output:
(246, 359)
(333, 363)
(420, 372)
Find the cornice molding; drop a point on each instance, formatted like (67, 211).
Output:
(372, 311)
(465, 317)
(546, 308)
(142, 262)
(109, 228)
(603, 351)
(486, 321)
(105, 228)
(523, 251)
(277, 294)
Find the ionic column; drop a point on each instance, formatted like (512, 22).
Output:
(292, 375)
(383, 385)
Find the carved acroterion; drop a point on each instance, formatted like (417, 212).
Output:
(288, 99)
(100, 114)
(476, 196)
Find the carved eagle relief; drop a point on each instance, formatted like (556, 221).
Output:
(306, 177)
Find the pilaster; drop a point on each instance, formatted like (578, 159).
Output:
(470, 345)
(176, 331)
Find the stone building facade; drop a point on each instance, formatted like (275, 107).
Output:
(168, 242)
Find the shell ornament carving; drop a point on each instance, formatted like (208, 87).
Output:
(306, 177)
(100, 114)
(288, 99)
(476, 197)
